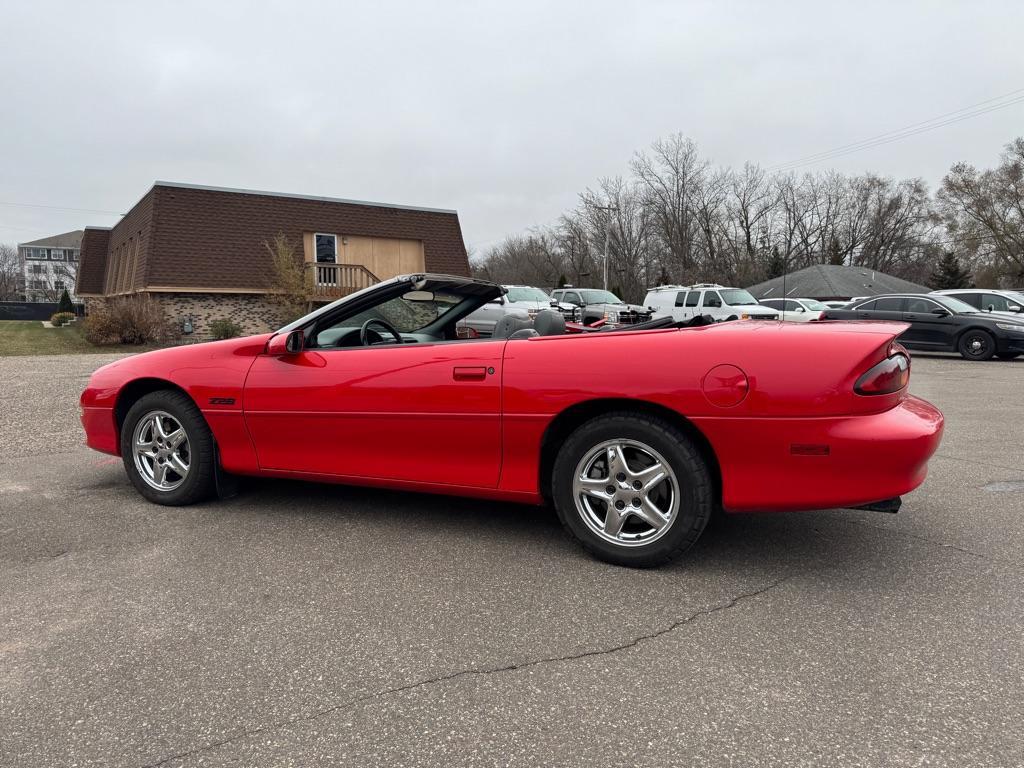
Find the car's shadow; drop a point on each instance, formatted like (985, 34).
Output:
(800, 542)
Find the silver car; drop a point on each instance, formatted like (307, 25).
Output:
(519, 300)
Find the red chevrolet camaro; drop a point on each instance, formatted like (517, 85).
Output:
(635, 434)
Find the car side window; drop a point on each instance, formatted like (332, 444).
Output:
(681, 298)
(994, 303)
(920, 305)
(868, 306)
(712, 299)
(790, 306)
(692, 298)
(974, 299)
(889, 305)
(773, 303)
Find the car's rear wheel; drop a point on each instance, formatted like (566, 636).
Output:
(168, 450)
(977, 345)
(1008, 355)
(632, 489)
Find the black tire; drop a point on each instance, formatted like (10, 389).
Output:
(198, 483)
(1008, 355)
(976, 344)
(693, 486)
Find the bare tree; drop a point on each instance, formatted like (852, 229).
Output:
(10, 272)
(984, 211)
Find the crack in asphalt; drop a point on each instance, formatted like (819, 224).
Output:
(935, 543)
(731, 603)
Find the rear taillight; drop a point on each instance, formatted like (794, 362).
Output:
(890, 375)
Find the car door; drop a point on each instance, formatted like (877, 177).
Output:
(927, 328)
(417, 412)
(679, 311)
(711, 304)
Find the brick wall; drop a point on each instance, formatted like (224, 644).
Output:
(254, 312)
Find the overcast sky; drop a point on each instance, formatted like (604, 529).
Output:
(504, 111)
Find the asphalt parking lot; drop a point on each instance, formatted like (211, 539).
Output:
(315, 625)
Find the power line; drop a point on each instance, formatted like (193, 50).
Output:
(948, 118)
(61, 208)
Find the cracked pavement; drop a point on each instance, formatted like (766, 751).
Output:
(300, 624)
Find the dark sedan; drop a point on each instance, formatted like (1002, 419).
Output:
(942, 324)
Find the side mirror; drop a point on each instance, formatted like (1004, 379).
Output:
(940, 312)
(286, 343)
(499, 300)
(1013, 307)
(800, 309)
(554, 303)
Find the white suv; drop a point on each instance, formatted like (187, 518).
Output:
(684, 302)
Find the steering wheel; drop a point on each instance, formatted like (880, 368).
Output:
(364, 337)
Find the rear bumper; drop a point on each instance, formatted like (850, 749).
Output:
(101, 430)
(823, 463)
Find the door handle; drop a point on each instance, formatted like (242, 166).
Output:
(469, 373)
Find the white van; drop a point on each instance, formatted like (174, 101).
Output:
(683, 302)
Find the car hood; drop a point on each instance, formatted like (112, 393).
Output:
(247, 346)
(754, 309)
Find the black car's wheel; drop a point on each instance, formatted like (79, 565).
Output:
(976, 345)
(632, 489)
(167, 449)
(1008, 355)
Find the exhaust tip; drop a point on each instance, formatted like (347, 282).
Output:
(891, 506)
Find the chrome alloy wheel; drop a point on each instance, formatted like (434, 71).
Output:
(626, 493)
(161, 450)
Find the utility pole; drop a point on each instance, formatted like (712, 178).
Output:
(607, 235)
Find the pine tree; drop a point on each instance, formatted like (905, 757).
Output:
(949, 273)
(65, 304)
(776, 264)
(835, 252)
(562, 280)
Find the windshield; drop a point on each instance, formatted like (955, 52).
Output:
(814, 306)
(734, 296)
(600, 297)
(403, 315)
(960, 307)
(519, 293)
(1016, 296)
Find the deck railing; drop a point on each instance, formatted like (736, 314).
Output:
(335, 281)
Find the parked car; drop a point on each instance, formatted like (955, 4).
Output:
(523, 301)
(944, 324)
(377, 389)
(797, 310)
(684, 302)
(998, 302)
(595, 305)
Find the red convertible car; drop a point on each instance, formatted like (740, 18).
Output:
(636, 435)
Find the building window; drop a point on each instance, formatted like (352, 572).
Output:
(326, 248)
(37, 269)
(57, 254)
(58, 285)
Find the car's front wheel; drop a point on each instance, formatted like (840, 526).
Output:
(632, 489)
(977, 345)
(167, 449)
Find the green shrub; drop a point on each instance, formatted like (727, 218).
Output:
(65, 304)
(57, 319)
(222, 328)
(127, 320)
